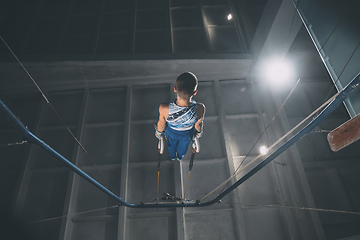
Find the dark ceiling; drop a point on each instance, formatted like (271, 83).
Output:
(128, 26)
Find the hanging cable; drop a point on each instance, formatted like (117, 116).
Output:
(191, 164)
(13, 144)
(277, 113)
(48, 102)
(158, 174)
(25, 70)
(298, 208)
(54, 218)
(322, 131)
(338, 78)
(331, 34)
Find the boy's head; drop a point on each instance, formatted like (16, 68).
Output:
(186, 85)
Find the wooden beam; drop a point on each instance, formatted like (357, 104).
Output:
(344, 135)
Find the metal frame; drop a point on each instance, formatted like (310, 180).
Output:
(332, 64)
(122, 222)
(69, 206)
(290, 173)
(278, 176)
(25, 176)
(350, 88)
(239, 213)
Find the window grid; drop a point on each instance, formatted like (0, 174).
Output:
(112, 27)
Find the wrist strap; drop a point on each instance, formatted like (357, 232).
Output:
(158, 133)
(199, 134)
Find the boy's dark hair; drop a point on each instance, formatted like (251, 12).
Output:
(186, 85)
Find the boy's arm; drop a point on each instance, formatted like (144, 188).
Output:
(163, 114)
(201, 114)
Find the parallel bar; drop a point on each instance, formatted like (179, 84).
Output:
(350, 88)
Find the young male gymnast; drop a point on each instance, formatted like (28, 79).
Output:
(181, 118)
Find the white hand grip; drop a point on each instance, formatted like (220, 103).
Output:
(196, 144)
(161, 145)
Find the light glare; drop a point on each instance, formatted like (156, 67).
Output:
(263, 150)
(229, 17)
(279, 71)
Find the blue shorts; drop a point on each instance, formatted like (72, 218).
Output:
(178, 141)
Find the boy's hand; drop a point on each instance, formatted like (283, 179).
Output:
(199, 125)
(157, 133)
(196, 143)
(199, 134)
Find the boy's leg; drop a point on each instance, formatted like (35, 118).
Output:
(172, 144)
(184, 143)
(183, 146)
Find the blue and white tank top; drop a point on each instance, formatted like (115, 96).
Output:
(182, 118)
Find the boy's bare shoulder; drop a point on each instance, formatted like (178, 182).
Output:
(164, 108)
(164, 105)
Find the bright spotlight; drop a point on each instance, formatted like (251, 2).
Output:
(279, 71)
(229, 17)
(263, 150)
